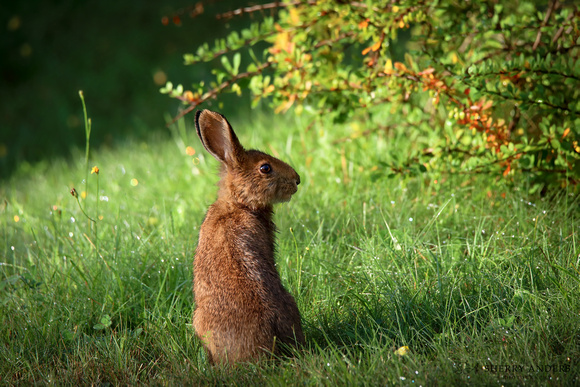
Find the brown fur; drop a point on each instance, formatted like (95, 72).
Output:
(242, 309)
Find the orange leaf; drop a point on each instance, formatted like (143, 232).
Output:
(363, 24)
(507, 170)
(283, 42)
(188, 95)
(566, 132)
(377, 45)
(286, 105)
(400, 66)
(366, 50)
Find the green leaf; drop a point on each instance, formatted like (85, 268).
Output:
(167, 89)
(237, 60)
(189, 59)
(226, 64)
(527, 161)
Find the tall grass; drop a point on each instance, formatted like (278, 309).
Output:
(468, 274)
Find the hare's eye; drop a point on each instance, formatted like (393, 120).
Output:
(266, 168)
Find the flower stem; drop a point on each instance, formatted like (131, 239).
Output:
(87, 139)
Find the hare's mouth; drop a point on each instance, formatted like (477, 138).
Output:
(286, 195)
(285, 200)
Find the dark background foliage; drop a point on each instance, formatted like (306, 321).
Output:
(114, 51)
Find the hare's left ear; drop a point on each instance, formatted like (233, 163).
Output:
(218, 137)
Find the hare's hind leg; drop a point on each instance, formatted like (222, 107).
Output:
(289, 333)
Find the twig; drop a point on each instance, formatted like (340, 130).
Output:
(509, 72)
(213, 92)
(491, 55)
(515, 120)
(561, 29)
(260, 7)
(551, 8)
(533, 102)
(277, 4)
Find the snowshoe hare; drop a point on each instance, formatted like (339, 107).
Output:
(242, 311)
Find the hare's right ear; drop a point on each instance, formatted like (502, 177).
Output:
(218, 137)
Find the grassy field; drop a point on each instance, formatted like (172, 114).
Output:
(480, 282)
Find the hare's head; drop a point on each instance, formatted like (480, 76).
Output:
(250, 178)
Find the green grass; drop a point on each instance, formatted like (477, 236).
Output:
(465, 273)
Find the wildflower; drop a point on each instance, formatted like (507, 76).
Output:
(402, 351)
(95, 170)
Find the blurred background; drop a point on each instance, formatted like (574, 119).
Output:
(118, 52)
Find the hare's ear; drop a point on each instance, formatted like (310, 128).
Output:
(218, 137)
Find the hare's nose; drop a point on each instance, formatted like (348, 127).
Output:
(297, 179)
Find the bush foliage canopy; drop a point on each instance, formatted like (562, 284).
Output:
(480, 86)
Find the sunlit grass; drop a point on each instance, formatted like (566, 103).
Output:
(463, 272)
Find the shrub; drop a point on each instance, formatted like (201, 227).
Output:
(481, 86)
